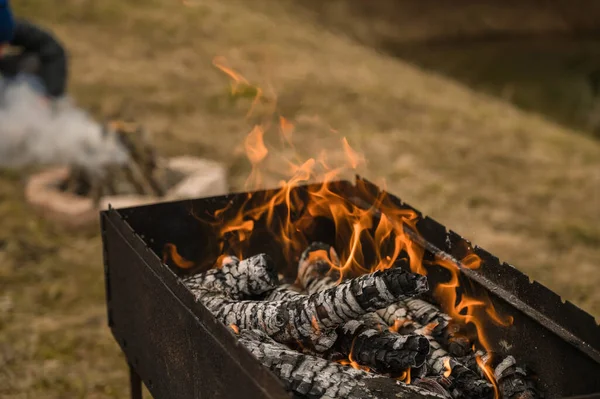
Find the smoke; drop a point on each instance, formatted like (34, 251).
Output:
(34, 132)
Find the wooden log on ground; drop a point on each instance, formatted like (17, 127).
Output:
(314, 377)
(142, 163)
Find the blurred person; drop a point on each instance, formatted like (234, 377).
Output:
(31, 55)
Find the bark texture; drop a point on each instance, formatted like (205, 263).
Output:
(308, 320)
(513, 382)
(314, 377)
(236, 279)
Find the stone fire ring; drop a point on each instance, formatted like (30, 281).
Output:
(202, 178)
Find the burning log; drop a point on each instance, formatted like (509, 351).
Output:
(310, 320)
(438, 385)
(314, 377)
(463, 382)
(369, 343)
(367, 339)
(317, 268)
(284, 292)
(315, 273)
(237, 279)
(382, 351)
(444, 331)
(513, 382)
(425, 313)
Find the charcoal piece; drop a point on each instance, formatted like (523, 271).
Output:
(368, 338)
(237, 279)
(419, 372)
(396, 311)
(470, 361)
(369, 341)
(283, 292)
(382, 351)
(316, 268)
(513, 381)
(314, 377)
(425, 313)
(312, 320)
(438, 385)
(465, 383)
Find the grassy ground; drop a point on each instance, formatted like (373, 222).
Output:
(516, 184)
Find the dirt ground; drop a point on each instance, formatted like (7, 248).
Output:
(521, 186)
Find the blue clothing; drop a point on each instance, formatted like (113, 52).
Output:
(7, 23)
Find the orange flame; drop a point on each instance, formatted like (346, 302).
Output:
(398, 323)
(315, 325)
(447, 367)
(355, 159)
(405, 376)
(235, 328)
(170, 252)
(367, 238)
(489, 374)
(286, 129)
(351, 362)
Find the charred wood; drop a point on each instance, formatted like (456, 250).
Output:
(367, 339)
(236, 279)
(369, 342)
(439, 385)
(311, 320)
(464, 382)
(382, 351)
(283, 292)
(424, 313)
(317, 268)
(513, 381)
(314, 377)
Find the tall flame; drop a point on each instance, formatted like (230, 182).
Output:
(368, 238)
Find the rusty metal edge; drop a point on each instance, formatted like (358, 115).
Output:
(113, 217)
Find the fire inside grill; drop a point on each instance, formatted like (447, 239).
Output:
(325, 333)
(339, 289)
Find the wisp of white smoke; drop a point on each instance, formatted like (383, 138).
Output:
(32, 132)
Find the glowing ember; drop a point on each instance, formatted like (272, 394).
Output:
(405, 377)
(315, 325)
(448, 368)
(398, 323)
(234, 328)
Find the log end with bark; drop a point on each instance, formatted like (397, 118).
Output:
(314, 377)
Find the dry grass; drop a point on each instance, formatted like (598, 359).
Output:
(518, 185)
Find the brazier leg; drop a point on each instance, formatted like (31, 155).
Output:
(135, 383)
